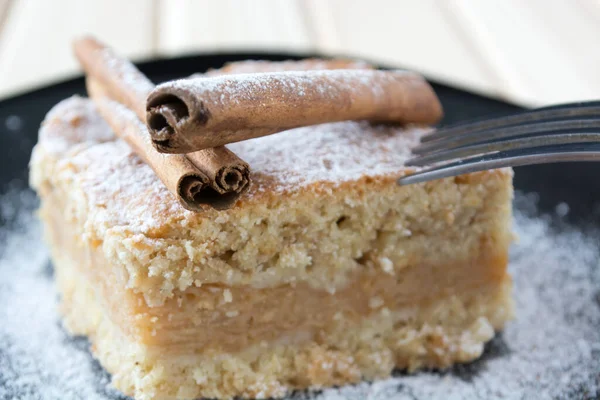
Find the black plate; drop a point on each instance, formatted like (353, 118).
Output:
(577, 185)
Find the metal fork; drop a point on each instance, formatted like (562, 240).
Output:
(561, 133)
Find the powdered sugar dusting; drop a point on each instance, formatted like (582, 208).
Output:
(71, 122)
(119, 182)
(330, 152)
(551, 350)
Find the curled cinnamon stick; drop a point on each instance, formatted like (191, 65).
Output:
(180, 174)
(193, 114)
(176, 172)
(215, 177)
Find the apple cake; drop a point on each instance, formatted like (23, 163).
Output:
(326, 273)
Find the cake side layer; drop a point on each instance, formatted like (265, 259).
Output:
(231, 318)
(451, 329)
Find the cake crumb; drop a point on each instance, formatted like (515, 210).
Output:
(227, 296)
(404, 232)
(386, 265)
(450, 217)
(375, 302)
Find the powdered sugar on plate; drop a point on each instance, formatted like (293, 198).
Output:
(551, 350)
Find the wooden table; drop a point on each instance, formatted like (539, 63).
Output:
(528, 51)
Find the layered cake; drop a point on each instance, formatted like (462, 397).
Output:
(325, 272)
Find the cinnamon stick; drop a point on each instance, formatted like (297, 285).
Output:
(215, 177)
(193, 114)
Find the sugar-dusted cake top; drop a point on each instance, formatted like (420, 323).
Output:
(119, 189)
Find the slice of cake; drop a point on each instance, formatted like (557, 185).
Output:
(326, 273)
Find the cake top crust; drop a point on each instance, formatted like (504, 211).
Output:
(120, 189)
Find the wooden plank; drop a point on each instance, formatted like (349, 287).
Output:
(321, 24)
(573, 28)
(4, 10)
(36, 37)
(208, 25)
(414, 35)
(534, 52)
(516, 44)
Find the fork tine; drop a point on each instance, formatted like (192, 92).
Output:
(510, 158)
(489, 147)
(554, 113)
(467, 139)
